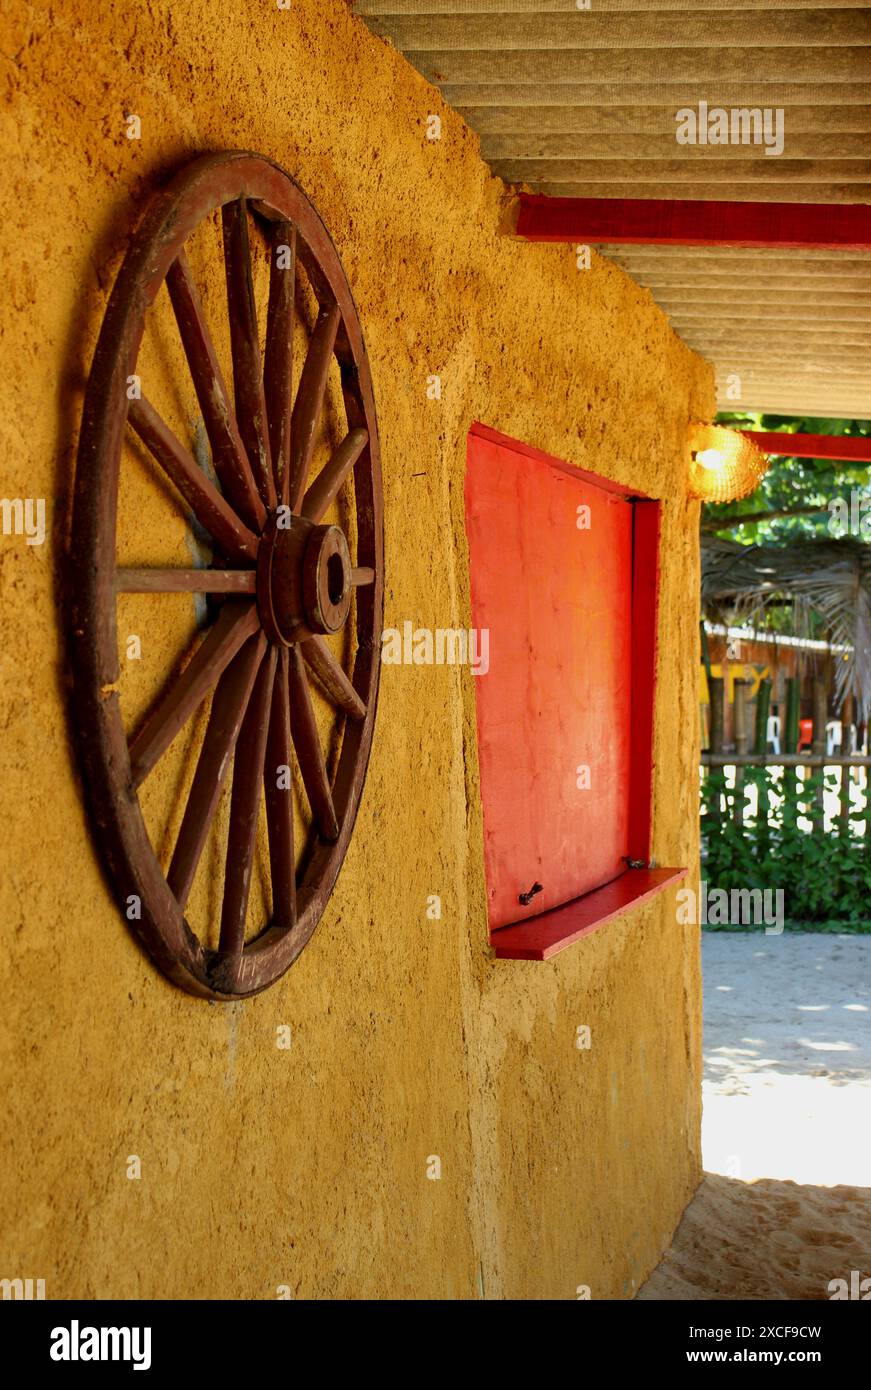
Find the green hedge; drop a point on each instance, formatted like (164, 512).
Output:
(825, 878)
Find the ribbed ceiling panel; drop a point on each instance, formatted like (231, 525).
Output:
(581, 103)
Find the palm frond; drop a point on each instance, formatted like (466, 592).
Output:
(831, 578)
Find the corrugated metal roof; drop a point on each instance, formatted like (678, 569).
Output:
(582, 103)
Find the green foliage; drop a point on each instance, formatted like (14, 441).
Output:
(825, 878)
(792, 482)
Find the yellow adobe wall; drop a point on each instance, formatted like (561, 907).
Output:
(307, 1167)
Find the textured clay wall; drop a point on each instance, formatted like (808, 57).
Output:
(307, 1167)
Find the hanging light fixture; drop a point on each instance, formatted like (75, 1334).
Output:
(725, 464)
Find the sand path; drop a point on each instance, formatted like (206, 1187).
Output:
(785, 1206)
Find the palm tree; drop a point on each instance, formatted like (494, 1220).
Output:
(827, 578)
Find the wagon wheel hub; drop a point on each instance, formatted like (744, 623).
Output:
(304, 580)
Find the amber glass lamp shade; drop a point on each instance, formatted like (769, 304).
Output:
(725, 464)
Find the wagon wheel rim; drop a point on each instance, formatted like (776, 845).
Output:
(282, 577)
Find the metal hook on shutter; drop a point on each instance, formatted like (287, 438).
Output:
(526, 898)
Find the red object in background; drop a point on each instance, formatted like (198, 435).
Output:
(805, 734)
(850, 448)
(694, 222)
(571, 615)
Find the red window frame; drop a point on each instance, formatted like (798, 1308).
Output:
(540, 936)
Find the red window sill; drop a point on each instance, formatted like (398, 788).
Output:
(539, 938)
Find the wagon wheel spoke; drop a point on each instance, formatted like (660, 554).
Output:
(362, 575)
(278, 364)
(228, 451)
(210, 508)
(248, 764)
(308, 749)
(229, 704)
(245, 348)
(163, 581)
(324, 489)
(236, 622)
(310, 400)
(337, 688)
(279, 800)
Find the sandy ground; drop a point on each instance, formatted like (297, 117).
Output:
(785, 1206)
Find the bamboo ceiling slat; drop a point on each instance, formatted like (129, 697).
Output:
(542, 126)
(693, 66)
(799, 403)
(767, 289)
(723, 333)
(582, 104)
(636, 91)
(800, 376)
(845, 147)
(738, 281)
(720, 168)
(781, 356)
(804, 373)
(736, 299)
(652, 253)
(800, 379)
(730, 317)
(534, 7)
(845, 379)
(782, 191)
(595, 30)
(817, 391)
(740, 261)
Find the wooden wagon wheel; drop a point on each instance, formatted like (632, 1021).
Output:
(281, 580)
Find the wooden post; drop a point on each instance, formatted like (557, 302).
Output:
(742, 744)
(821, 714)
(791, 731)
(763, 701)
(716, 690)
(846, 740)
(847, 724)
(706, 652)
(742, 725)
(706, 662)
(791, 781)
(845, 801)
(716, 687)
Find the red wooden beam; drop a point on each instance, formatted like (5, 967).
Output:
(670, 222)
(848, 448)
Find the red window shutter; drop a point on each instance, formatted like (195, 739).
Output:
(556, 599)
